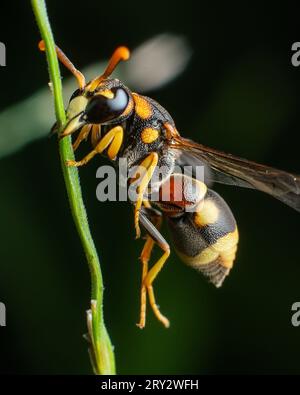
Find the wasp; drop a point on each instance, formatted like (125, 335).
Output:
(127, 125)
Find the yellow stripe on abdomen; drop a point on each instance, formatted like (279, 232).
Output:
(215, 261)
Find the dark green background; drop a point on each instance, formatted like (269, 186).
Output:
(240, 94)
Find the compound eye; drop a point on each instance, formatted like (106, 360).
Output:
(101, 109)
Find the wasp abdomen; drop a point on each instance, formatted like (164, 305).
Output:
(207, 239)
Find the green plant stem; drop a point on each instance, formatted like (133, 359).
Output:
(101, 349)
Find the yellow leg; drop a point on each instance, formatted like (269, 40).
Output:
(148, 281)
(145, 170)
(85, 131)
(145, 257)
(146, 203)
(112, 140)
(96, 135)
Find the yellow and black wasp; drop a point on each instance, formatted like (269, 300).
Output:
(123, 124)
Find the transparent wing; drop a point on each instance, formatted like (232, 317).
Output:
(231, 170)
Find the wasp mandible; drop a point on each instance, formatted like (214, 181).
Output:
(124, 124)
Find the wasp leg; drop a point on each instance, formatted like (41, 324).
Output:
(145, 171)
(145, 256)
(96, 135)
(156, 219)
(153, 272)
(148, 283)
(85, 131)
(148, 205)
(112, 140)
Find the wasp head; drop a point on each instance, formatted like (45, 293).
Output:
(101, 101)
(110, 103)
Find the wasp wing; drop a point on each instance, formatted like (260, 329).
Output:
(231, 170)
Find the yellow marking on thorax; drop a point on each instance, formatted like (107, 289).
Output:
(208, 213)
(149, 135)
(142, 107)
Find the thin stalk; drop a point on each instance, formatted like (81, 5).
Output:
(101, 349)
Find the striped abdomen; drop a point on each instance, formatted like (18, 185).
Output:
(207, 239)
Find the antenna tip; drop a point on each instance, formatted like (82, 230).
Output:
(123, 53)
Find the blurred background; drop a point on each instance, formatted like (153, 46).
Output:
(234, 89)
